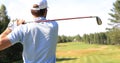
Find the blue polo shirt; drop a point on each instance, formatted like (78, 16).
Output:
(39, 41)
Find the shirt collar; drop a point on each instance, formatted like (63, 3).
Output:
(39, 18)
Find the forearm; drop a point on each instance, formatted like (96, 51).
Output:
(4, 41)
(5, 33)
(11, 26)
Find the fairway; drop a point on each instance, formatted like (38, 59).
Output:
(77, 52)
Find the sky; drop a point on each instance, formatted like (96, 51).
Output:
(66, 9)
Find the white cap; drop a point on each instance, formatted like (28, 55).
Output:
(42, 4)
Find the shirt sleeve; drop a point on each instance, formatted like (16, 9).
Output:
(16, 35)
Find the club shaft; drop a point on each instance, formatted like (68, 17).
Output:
(63, 19)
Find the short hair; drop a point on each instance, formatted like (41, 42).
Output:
(38, 13)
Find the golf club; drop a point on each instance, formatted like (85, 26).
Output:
(99, 22)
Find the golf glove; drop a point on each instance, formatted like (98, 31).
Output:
(12, 25)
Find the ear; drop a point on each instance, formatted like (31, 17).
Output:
(45, 14)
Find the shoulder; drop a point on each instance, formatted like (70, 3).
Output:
(55, 23)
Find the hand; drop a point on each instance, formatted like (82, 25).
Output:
(14, 23)
(20, 21)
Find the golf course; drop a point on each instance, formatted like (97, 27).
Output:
(77, 52)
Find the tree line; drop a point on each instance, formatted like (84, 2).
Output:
(107, 38)
(111, 36)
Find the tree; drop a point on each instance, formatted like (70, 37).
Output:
(115, 13)
(91, 39)
(78, 38)
(86, 38)
(114, 36)
(14, 52)
(4, 19)
(115, 23)
(59, 39)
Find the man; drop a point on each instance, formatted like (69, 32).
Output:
(38, 39)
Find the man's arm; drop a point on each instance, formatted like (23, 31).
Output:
(5, 33)
(4, 41)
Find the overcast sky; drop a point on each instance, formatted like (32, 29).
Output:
(64, 9)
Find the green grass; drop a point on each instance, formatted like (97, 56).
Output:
(78, 52)
(75, 46)
(84, 53)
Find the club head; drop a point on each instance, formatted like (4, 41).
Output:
(99, 22)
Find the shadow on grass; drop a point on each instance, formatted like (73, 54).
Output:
(65, 59)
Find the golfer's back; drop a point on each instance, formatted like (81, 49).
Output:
(40, 42)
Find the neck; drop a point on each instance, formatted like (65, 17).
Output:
(39, 16)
